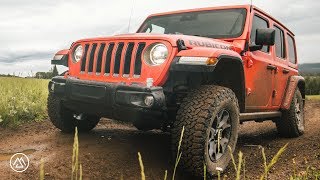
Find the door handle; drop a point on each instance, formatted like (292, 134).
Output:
(271, 67)
(285, 71)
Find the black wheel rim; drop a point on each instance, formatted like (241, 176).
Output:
(219, 136)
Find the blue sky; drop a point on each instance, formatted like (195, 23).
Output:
(32, 31)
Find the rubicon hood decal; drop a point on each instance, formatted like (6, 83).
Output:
(208, 44)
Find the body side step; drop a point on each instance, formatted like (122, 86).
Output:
(259, 116)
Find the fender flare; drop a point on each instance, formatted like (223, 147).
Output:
(222, 59)
(241, 90)
(220, 54)
(293, 83)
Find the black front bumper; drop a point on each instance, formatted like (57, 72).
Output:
(111, 100)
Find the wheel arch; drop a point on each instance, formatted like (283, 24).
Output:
(302, 88)
(294, 82)
(229, 72)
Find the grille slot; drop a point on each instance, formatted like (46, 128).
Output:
(108, 58)
(84, 58)
(91, 60)
(127, 59)
(121, 58)
(138, 62)
(117, 59)
(99, 60)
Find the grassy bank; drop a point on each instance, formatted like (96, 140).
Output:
(313, 97)
(22, 100)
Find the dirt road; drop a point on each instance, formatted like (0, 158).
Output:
(110, 150)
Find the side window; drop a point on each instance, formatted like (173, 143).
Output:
(279, 43)
(292, 50)
(258, 23)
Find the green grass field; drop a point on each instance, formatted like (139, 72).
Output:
(22, 100)
(313, 97)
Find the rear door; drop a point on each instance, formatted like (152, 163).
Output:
(281, 73)
(292, 54)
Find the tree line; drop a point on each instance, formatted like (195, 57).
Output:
(39, 75)
(47, 75)
(312, 85)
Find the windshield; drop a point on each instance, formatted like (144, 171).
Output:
(226, 23)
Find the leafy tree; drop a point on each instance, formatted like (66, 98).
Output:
(312, 85)
(55, 71)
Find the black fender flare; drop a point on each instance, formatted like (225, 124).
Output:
(222, 60)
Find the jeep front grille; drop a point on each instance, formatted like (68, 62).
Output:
(113, 58)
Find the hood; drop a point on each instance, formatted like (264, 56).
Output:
(190, 41)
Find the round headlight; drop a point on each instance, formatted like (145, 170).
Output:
(77, 54)
(158, 54)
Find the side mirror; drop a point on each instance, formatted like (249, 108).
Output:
(61, 58)
(264, 37)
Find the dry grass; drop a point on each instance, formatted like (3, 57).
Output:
(143, 176)
(274, 160)
(179, 153)
(41, 170)
(76, 173)
(236, 167)
(76, 166)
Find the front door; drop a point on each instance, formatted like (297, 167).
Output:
(259, 76)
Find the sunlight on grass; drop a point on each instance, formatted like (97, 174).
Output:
(76, 166)
(143, 176)
(178, 154)
(41, 170)
(273, 161)
(237, 168)
(313, 97)
(165, 175)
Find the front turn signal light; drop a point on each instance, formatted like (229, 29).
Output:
(212, 61)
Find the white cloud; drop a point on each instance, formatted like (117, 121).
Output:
(43, 27)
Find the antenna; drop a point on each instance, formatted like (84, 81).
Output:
(130, 16)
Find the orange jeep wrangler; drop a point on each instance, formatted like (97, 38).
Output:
(206, 70)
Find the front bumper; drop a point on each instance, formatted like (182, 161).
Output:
(111, 100)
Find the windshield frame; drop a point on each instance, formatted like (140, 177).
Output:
(200, 11)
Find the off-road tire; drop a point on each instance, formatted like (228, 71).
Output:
(63, 118)
(292, 122)
(197, 114)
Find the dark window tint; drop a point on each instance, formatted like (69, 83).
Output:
(258, 23)
(279, 43)
(292, 51)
